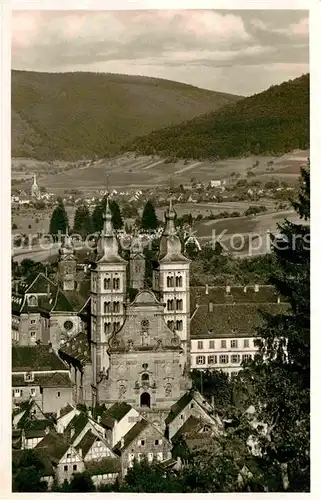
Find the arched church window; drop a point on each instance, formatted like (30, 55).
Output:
(107, 327)
(179, 281)
(116, 307)
(145, 377)
(179, 305)
(179, 325)
(116, 283)
(106, 283)
(106, 307)
(170, 281)
(170, 304)
(170, 324)
(116, 326)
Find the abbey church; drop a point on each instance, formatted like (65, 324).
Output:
(126, 341)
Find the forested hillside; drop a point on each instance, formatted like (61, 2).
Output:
(88, 115)
(272, 122)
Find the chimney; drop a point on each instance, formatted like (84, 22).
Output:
(99, 419)
(206, 289)
(210, 307)
(256, 288)
(122, 442)
(279, 299)
(244, 289)
(228, 289)
(89, 413)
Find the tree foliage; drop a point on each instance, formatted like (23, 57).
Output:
(272, 122)
(59, 220)
(281, 371)
(149, 217)
(82, 221)
(27, 473)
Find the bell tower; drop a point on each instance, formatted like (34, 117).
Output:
(171, 280)
(108, 296)
(67, 264)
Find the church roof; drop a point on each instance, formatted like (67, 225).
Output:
(232, 320)
(36, 358)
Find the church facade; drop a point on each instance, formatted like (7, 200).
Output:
(139, 345)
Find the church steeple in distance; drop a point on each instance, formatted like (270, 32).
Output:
(108, 244)
(170, 243)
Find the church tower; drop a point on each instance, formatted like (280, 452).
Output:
(35, 191)
(137, 264)
(67, 265)
(171, 280)
(108, 295)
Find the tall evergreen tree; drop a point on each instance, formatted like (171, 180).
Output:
(59, 219)
(280, 374)
(82, 221)
(149, 217)
(117, 219)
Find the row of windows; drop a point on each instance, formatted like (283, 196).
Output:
(18, 393)
(142, 442)
(66, 467)
(234, 344)
(109, 283)
(173, 305)
(111, 307)
(177, 281)
(175, 325)
(222, 359)
(111, 327)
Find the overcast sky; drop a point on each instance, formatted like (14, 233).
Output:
(240, 52)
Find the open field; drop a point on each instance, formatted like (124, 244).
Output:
(38, 220)
(133, 172)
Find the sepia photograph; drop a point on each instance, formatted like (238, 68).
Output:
(160, 251)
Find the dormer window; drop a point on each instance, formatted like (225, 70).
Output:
(29, 377)
(32, 301)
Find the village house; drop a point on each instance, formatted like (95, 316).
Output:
(143, 440)
(191, 404)
(224, 323)
(39, 374)
(118, 420)
(65, 460)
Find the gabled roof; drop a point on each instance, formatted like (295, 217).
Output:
(178, 407)
(77, 424)
(77, 348)
(40, 284)
(54, 446)
(67, 409)
(232, 320)
(86, 443)
(36, 358)
(114, 413)
(192, 424)
(132, 434)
